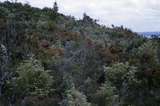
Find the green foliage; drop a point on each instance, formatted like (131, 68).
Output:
(3, 12)
(122, 77)
(147, 53)
(76, 98)
(117, 73)
(31, 79)
(106, 95)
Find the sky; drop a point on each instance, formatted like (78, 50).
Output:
(138, 15)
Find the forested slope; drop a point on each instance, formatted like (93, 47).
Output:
(49, 59)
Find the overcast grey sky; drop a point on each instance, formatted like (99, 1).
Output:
(138, 15)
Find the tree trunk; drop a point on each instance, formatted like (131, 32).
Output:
(11, 104)
(0, 90)
(23, 103)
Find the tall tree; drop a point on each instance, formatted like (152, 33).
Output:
(55, 7)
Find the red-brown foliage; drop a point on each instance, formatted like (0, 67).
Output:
(44, 44)
(89, 42)
(67, 36)
(108, 56)
(55, 51)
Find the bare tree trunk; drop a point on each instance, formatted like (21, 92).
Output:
(23, 103)
(12, 100)
(11, 104)
(0, 90)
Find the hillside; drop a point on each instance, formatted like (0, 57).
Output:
(49, 59)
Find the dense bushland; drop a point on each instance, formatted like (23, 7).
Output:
(49, 59)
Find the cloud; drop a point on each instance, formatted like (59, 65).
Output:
(139, 15)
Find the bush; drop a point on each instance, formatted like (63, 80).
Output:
(76, 98)
(31, 80)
